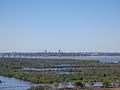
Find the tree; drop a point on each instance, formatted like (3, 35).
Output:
(106, 84)
(56, 84)
(78, 84)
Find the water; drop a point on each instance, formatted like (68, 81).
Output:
(68, 84)
(63, 65)
(71, 85)
(52, 70)
(49, 69)
(114, 59)
(95, 84)
(65, 72)
(14, 84)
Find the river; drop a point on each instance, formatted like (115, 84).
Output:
(114, 59)
(14, 84)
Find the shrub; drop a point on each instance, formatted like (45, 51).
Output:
(89, 88)
(78, 84)
(56, 84)
(106, 84)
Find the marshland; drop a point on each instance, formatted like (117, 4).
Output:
(64, 72)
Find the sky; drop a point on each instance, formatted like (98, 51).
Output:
(68, 25)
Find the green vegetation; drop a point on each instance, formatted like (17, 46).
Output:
(106, 84)
(78, 84)
(86, 71)
(89, 88)
(56, 84)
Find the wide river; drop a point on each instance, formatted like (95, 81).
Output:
(114, 59)
(101, 58)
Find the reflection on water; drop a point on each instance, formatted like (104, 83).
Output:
(14, 84)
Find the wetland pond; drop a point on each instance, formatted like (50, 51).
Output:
(57, 70)
(15, 84)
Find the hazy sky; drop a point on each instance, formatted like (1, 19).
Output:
(69, 25)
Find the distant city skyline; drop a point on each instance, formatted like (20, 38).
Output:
(65, 25)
